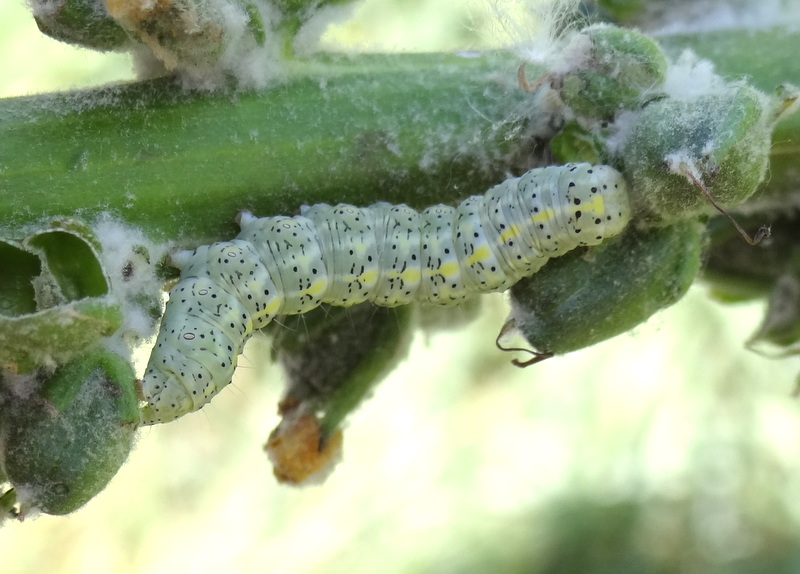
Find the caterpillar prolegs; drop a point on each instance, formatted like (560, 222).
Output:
(387, 254)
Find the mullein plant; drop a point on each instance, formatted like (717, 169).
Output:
(112, 181)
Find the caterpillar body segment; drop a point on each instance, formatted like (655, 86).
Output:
(387, 254)
(349, 244)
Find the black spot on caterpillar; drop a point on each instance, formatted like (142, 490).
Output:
(387, 254)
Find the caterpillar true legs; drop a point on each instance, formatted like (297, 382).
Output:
(387, 254)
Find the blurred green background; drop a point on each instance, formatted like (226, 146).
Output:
(672, 449)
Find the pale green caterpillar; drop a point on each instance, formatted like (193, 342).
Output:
(387, 254)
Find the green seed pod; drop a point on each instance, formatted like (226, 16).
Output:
(581, 299)
(623, 69)
(718, 141)
(64, 444)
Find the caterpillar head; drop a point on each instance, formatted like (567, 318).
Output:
(166, 398)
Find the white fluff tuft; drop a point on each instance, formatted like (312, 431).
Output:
(691, 76)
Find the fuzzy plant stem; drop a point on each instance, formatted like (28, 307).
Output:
(419, 129)
(415, 129)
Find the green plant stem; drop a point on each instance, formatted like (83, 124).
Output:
(419, 129)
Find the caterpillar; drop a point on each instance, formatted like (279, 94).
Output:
(387, 254)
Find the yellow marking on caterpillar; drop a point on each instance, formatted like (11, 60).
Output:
(264, 313)
(448, 269)
(597, 205)
(317, 288)
(369, 276)
(176, 382)
(544, 215)
(482, 253)
(271, 308)
(510, 233)
(411, 275)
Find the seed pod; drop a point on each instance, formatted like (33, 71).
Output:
(621, 70)
(63, 444)
(581, 299)
(720, 141)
